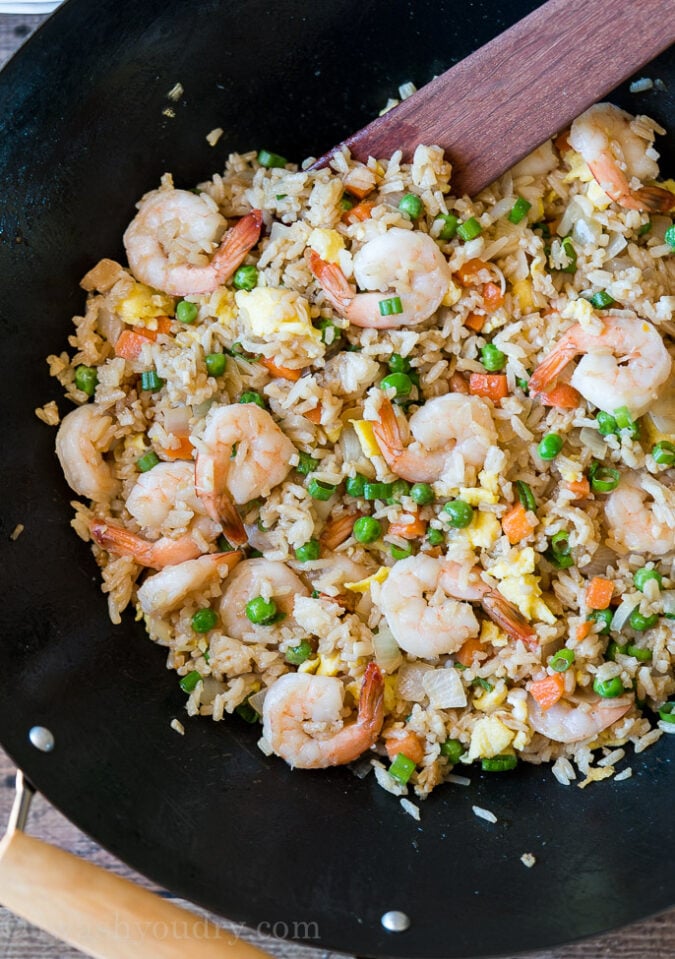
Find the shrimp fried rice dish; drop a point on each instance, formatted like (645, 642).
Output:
(388, 470)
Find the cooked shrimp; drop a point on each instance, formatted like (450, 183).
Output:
(450, 432)
(84, 435)
(625, 365)
(399, 263)
(299, 698)
(634, 522)
(464, 582)
(584, 718)
(243, 455)
(605, 137)
(156, 554)
(253, 578)
(169, 588)
(165, 216)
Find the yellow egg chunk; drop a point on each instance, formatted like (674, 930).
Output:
(474, 496)
(597, 196)
(490, 737)
(273, 313)
(580, 310)
(522, 290)
(364, 585)
(142, 305)
(492, 634)
(366, 437)
(328, 665)
(483, 532)
(453, 295)
(327, 243)
(309, 666)
(578, 167)
(491, 699)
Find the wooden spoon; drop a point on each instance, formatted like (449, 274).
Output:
(492, 109)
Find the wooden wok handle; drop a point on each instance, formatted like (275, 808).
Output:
(101, 914)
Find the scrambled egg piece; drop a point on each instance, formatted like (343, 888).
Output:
(221, 305)
(571, 475)
(142, 305)
(490, 737)
(520, 586)
(492, 634)
(489, 481)
(580, 310)
(488, 701)
(578, 167)
(270, 312)
(328, 665)
(522, 290)
(327, 243)
(363, 585)
(597, 196)
(453, 295)
(309, 665)
(474, 496)
(366, 437)
(483, 532)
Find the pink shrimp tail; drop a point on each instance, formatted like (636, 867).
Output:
(236, 243)
(371, 702)
(388, 433)
(544, 377)
(508, 618)
(332, 281)
(155, 555)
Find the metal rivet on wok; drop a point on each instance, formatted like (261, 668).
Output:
(395, 921)
(42, 738)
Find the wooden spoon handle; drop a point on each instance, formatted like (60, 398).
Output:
(531, 81)
(101, 914)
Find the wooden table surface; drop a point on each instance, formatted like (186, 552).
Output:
(654, 939)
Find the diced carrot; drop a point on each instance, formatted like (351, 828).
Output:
(581, 488)
(468, 650)
(181, 452)
(314, 415)
(492, 296)
(358, 191)
(164, 324)
(516, 524)
(283, 371)
(458, 384)
(561, 142)
(563, 396)
(599, 593)
(584, 630)
(548, 691)
(492, 385)
(130, 343)
(475, 321)
(358, 213)
(468, 272)
(336, 531)
(409, 744)
(417, 527)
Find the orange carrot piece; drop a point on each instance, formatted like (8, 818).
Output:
(358, 191)
(516, 524)
(313, 415)
(492, 296)
(599, 593)
(130, 343)
(181, 452)
(417, 527)
(336, 531)
(561, 142)
(468, 272)
(563, 396)
(359, 213)
(548, 691)
(584, 629)
(581, 488)
(468, 650)
(283, 371)
(475, 321)
(492, 385)
(409, 744)
(164, 325)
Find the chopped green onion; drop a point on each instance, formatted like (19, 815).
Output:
(261, 611)
(525, 495)
(398, 363)
(449, 228)
(499, 764)
(366, 529)
(667, 712)
(483, 683)
(422, 494)
(639, 652)
(400, 382)
(245, 278)
(151, 381)
(189, 682)
(86, 378)
(562, 660)
(375, 490)
(204, 620)
(401, 552)
(523, 385)
(268, 159)
(625, 421)
(402, 768)
(224, 545)
(571, 254)
(317, 489)
(280, 196)
(492, 358)
(308, 552)
(435, 537)
(604, 479)
(460, 513)
(306, 463)
(215, 363)
(391, 306)
(559, 551)
(544, 229)
(602, 299)
(614, 649)
(246, 712)
(669, 236)
(399, 489)
(250, 396)
(606, 423)
(664, 453)
(147, 461)
(549, 446)
(329, 331)
(296, 655)
(604, 616)
(411, 204)
(645, 228)
(642, 576)
(453, 750)
(469, 230)
(609, 688)
(354, 485)
(346, 202)
(639, 622)
(519, 210)
(186, 312)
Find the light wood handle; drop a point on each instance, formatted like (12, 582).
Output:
(101, 914)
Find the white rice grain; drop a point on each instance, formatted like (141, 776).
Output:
(484, 814)
(410, 808)
(177, 726)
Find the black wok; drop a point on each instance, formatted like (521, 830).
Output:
(82, 135)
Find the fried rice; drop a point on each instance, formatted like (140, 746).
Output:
(554, 642)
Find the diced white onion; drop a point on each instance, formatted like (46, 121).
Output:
(177, 420)
(444, 689)
(622, 614)
(257, 699)
(668, 597)
(586, 231)
(410, 684)
(593, 441)
(616, 245)
(387, 653)
(602, 558)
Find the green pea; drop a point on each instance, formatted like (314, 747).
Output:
(367, 529)
(399, 489)
(308, 552)
(186, 312)
(492, 358)
(250, 396)
(215, 363)
(398, 363)
(642, 576)
(549, 446)
(296, 655)
(460, 513)
(412, 205)
(608, 689)
(422, 494)
(261, 611)
(639, 622)
(453, 750)
(245, 278)
(204, 620)
(604, 616)
(435, 537)
(86, 378)
(401, 382)
(607, 425)
(449, 228)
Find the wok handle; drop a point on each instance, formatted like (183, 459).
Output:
(101, 914)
